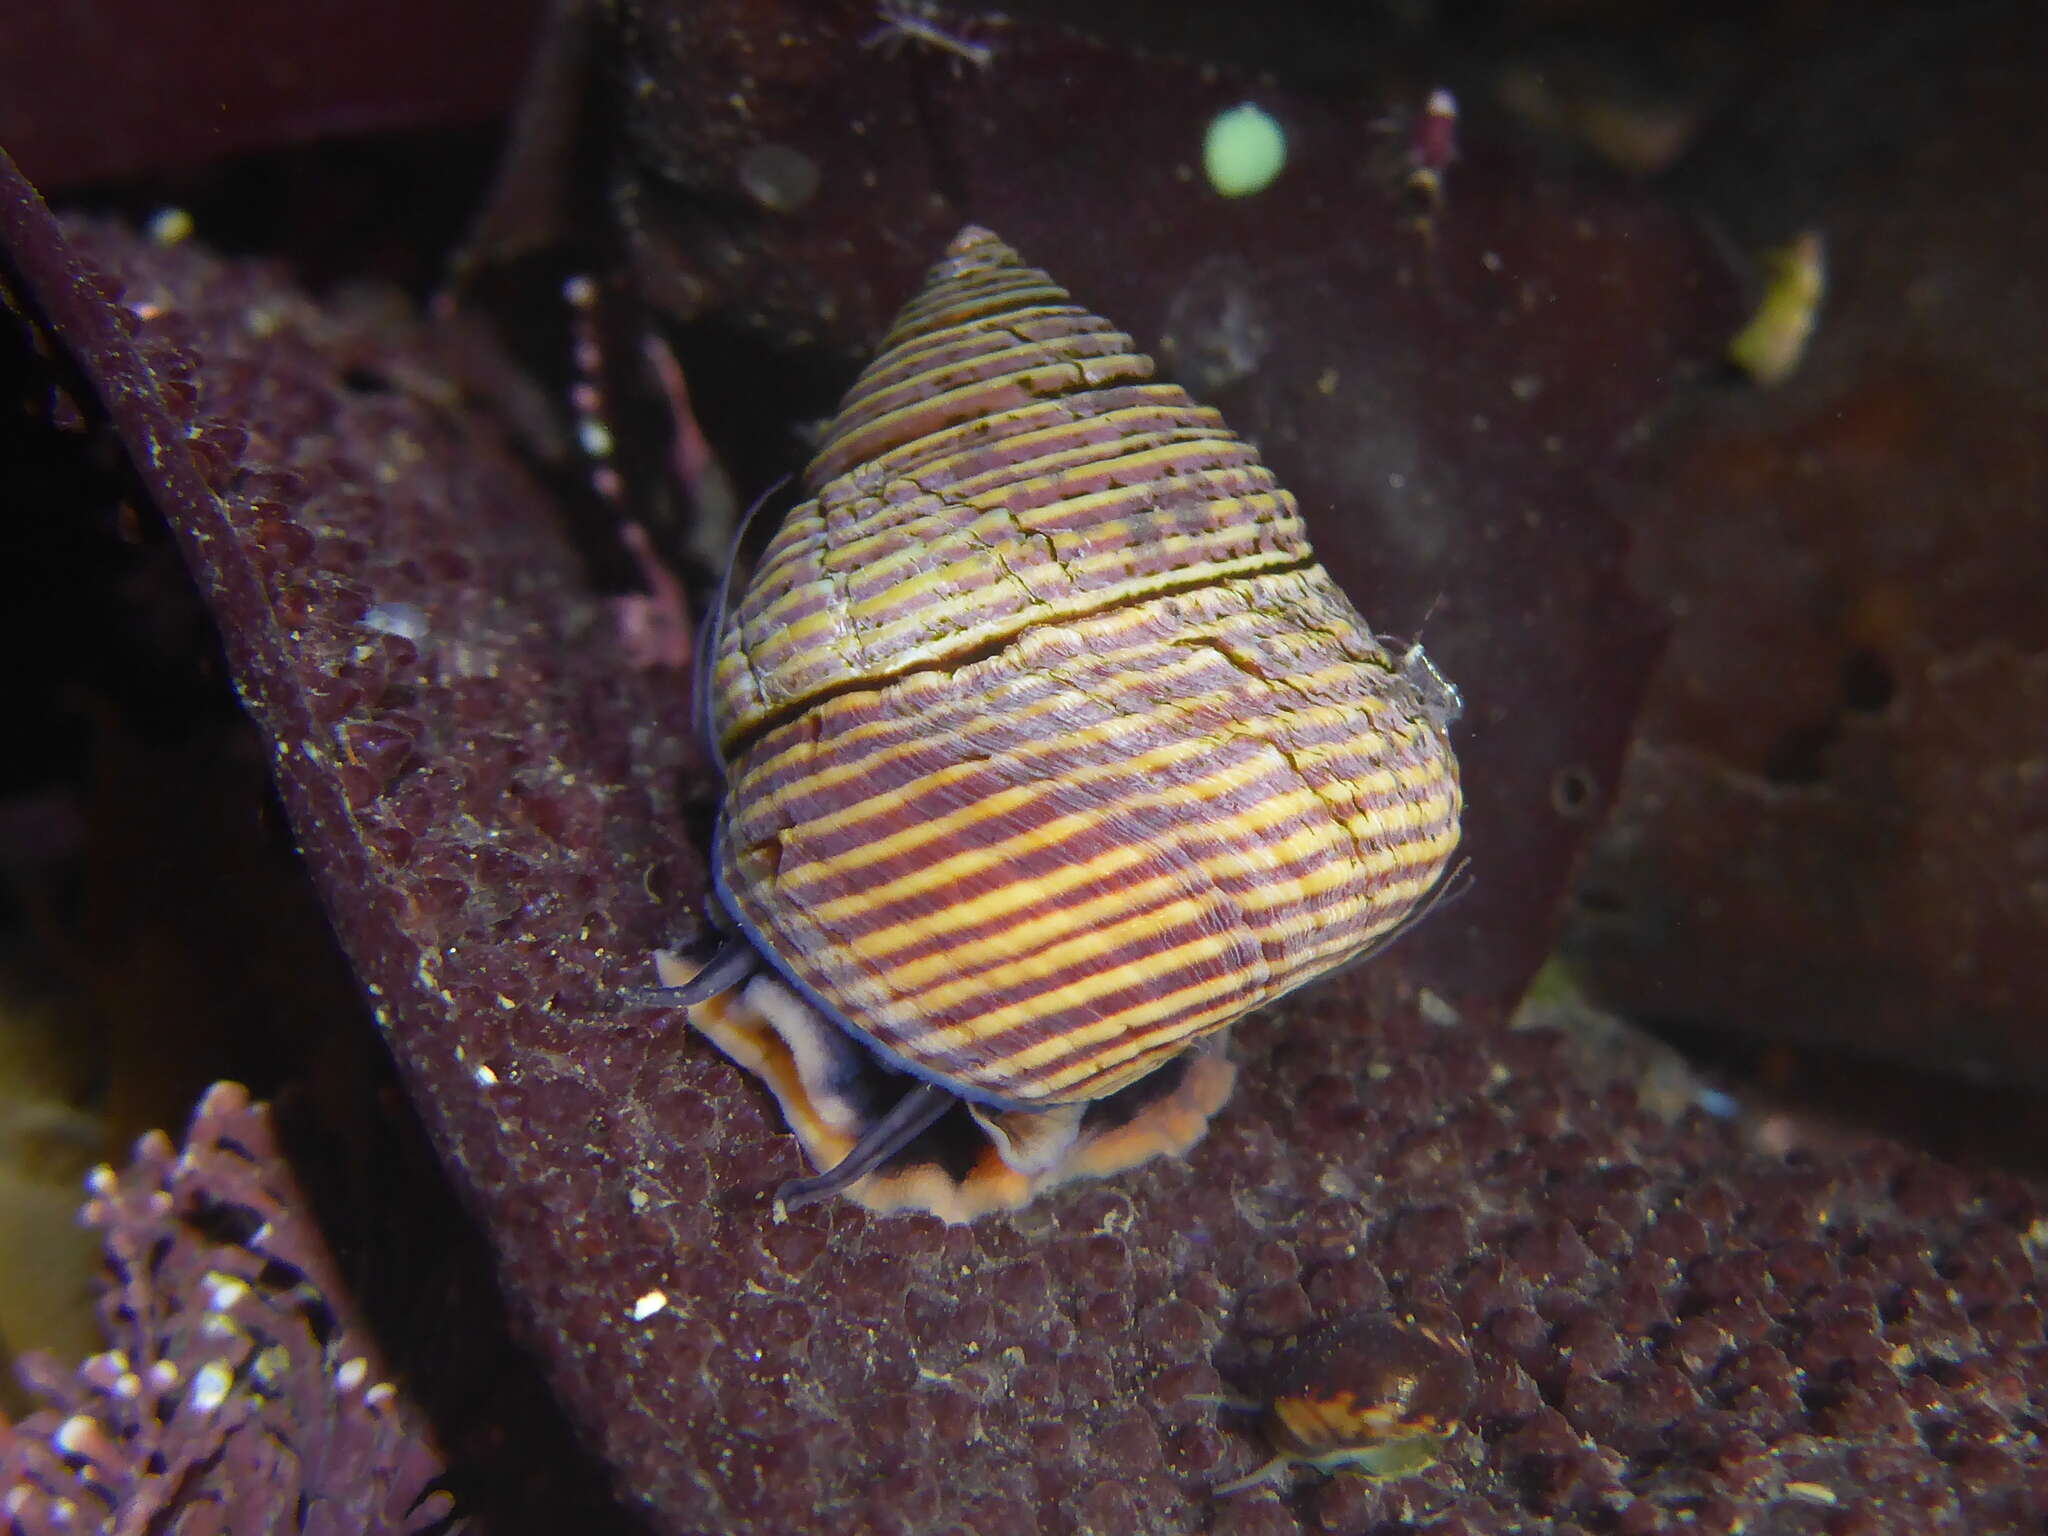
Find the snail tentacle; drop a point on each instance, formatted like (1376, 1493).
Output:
(914, 1114)
(1273, 1471)
(734, 962)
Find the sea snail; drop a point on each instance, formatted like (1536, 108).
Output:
(1381, 1395)
(1050, 750)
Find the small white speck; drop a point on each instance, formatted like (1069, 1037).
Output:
(128, 1385)
(648, 1305)
(1437, 1010)
(380, 1394)
(580, 290)
(210, 1387)
(1397, 481)
(1812, 1493)
(170, 226)
(16, 1500)
(349, 1375)
(163, 1375)
(100, 1181)
(76, 1434)
(486, 1076)
(224, 1291)
(596, 438)
(406, 620)
(1491, 261)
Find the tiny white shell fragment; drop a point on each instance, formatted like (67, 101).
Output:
(648, 1305)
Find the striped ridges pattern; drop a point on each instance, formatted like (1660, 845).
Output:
(1004, 461)
(1051, 747)
(1037, 875)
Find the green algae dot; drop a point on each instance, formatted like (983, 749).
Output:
(1243, 151)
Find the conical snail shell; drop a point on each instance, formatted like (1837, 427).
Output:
(1051, 747)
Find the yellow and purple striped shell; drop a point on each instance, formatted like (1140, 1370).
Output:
(1051, 747)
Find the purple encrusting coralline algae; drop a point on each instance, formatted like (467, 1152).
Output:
(237, 1394)
(1666, 1329)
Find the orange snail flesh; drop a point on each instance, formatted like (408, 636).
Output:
(1051, 752)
